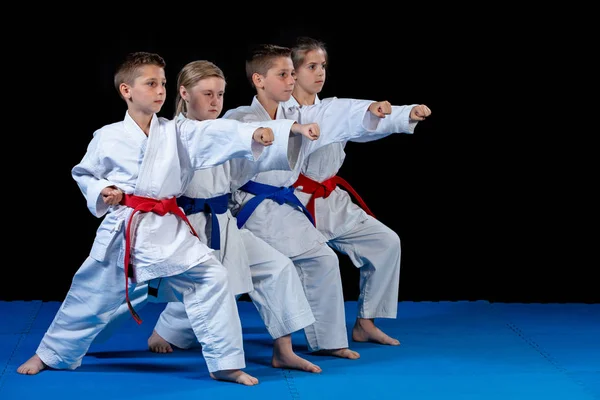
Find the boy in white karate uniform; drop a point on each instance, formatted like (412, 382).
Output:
(267, 206)
(349, 228)
(254, 267)
(152, 161)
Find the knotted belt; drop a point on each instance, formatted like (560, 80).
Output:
(263, 191)
(213, 205)
(145, 204)
(324, 189)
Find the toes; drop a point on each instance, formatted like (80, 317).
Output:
(247, 380)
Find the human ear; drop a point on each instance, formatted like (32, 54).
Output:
(257, 79)
(125, 90)
(183, 93)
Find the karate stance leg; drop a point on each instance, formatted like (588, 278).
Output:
(375, 249)
(172, 327)
(138, 295)
(280, 300)
(97, 290)
(213, 314)
(319, 274)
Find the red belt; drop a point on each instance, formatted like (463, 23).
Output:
(324, 189)
(145, 204)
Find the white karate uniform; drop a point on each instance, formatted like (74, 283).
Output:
(370, 245)
(158, 166)
(254, 266)
(288, 230)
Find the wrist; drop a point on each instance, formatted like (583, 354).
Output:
(295, 127)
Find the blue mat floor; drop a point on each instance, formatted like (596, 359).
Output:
(449, 350)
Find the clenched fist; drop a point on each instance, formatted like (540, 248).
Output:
(264, 136)
(310, 131)
(420, 112)
(111, 195)
(380, 108)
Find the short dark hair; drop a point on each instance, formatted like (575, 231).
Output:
(129, 68)
(259, 58)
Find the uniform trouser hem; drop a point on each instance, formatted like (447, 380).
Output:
(373, 316)
(292, 325)
(52, 360)
(329, 343)
(223, 363)
(343, 344)
(173, 336)
(378, 314)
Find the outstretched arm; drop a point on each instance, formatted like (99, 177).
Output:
(213, 142)
(339, 120)
(283, 156)
(401, 119)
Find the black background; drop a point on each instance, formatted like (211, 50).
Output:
(492, 197)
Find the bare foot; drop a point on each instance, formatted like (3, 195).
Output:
(157, 344)
(32, 366)
(234, 375)
(365, 331)
(284, 357)
(342, 353)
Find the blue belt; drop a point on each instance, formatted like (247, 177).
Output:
(262, 191)
(214, 206)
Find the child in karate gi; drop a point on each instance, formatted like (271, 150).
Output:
(254, 267)
(267, 206)
(144, 235)
(350, 228)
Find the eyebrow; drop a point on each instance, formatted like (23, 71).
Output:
(154, 79)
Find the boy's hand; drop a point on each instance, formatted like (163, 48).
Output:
(111, 195)
(310, 131)
(420, 112)
(380, 108)
(264, 136)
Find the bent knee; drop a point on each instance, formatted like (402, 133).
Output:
(329, 257)
(214, 273)
(220, 275)
(329, 263)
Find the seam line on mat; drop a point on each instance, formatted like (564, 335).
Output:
(549, 358)
(291, 384)
(24, 333)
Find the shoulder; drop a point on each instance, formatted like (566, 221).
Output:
(112, 136)
(241, 113)
(324, 103)
(167, 125)
(329, 100)
(109, 132)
